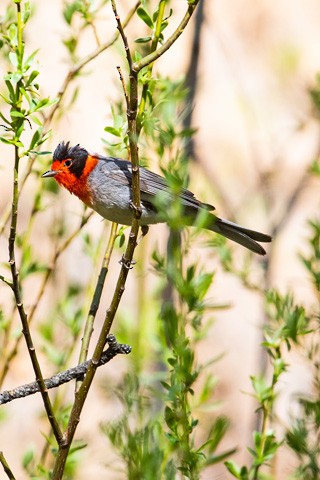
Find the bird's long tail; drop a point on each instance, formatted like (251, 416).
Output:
(244, 236)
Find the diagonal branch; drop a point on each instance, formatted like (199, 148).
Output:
(82, 63)
(145, 61)
(73, 72)
(73, 373)
(6, 467)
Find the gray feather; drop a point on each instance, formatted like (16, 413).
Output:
(113, 174)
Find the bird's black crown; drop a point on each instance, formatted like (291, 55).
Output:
(64, 151)
(77, 154)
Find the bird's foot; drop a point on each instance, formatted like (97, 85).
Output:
(137, 209)
(127, 263)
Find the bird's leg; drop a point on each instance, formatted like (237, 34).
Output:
(137, 210)
(128, 265)
(144, 228)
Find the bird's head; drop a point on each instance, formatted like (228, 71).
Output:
(70, 167)
(68, 164)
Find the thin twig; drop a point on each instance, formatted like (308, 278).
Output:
(6, 468)
(73, 72)
(88, 330)
(68, 375)
(139, 65)
(123, 86)
(126, 263)
(7, 358)
(121, 27)
(19, 304)
(81, 395)
(6, 281)
(153, 47)
(17, 291)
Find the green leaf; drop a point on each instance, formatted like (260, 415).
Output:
(30, 59)
(35, 139)
(143, 39)
(13, 35)
(26, 12)
(233, 468)
(36, 120)
(113, 131)
(5, 119)
(27, 458)
(142, 13)
(13, 59)
(217, 432)
(11, 90)
(170, 418)
(122, 240)
(70, 9)
(7, 141)
(32, 77)
(45, 152)
(15, 113)
(213, 459)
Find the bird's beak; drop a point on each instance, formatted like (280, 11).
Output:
(50, 173)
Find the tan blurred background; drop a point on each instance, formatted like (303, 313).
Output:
(256, 135)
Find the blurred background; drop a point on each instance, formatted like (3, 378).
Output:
(250, 67)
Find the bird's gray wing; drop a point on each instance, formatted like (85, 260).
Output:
(151, 184)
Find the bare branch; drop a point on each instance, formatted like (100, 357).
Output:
(73, 72)
(7, 357)
(68, 375)
(88, 329)
(6, 467)
(137, 66)
(123, 35)
(5, 280)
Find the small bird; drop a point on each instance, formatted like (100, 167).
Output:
(105, 185)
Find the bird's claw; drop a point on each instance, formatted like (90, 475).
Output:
(135, 208)
(128, 264)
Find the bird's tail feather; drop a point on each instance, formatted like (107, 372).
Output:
(244, 236)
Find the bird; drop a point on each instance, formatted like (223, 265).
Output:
(105, 185)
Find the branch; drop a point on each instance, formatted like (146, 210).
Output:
(73, 72)
(7, 357)
(20, 307)
(79, 66)
(6, 281)
(88, 329)
(16, 287)
(126, 262)
(137, 66)
(68, 375)
(6, 467)
(120, 28)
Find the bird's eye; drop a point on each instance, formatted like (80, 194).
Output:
(68, 163)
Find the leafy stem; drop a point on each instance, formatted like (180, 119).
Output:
(154, 44)
(145, 61)
(88, 330)
(126, 262)
(6, 467)
(18, 126)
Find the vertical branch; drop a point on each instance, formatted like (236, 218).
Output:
(18, 298)
(154, 44)
(11, 243)
(6, 467)
(126, 262)
(88, 330)
(132, 108)
(192, 76)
